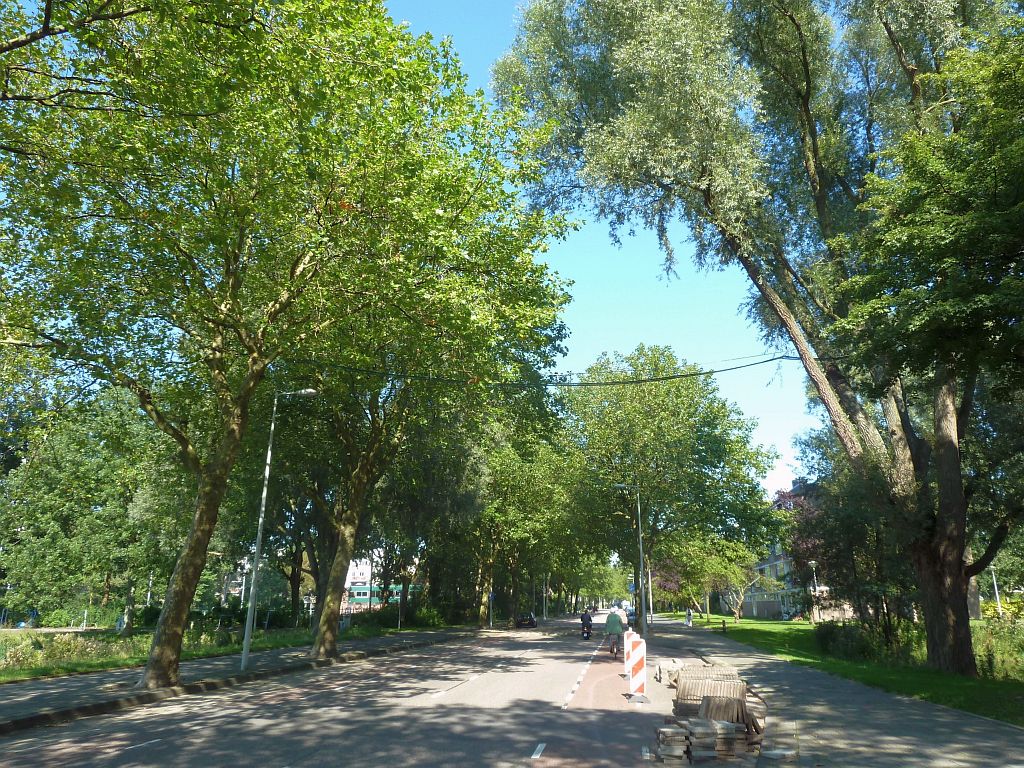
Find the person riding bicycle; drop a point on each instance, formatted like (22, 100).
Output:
(613, 629)
(587, 621)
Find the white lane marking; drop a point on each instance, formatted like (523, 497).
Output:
(143, 744)
(645, 752)
(579, 680)
(539, 750)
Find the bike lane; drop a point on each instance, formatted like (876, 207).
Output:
(607, 727)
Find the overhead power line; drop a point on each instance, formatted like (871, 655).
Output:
(557, 379)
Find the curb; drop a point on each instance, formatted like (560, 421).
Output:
(121, 703)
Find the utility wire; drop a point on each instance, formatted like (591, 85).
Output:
(558, 379)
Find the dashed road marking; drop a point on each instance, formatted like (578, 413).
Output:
(579, 680)
(143, 744)
(539, 750)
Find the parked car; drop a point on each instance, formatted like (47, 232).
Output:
(526, 619)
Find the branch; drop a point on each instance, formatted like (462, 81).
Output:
(963, 412)
(908, 67)
(46, 30)
(999, 536)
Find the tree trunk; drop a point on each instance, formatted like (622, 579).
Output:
(514, 598)
(486, 587)
(403, 600)
(106, 590)
(943, 590)
(939, 558)
(129, 613)
(326, 644)
(165, 652)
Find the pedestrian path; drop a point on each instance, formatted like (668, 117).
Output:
(839, 723)
(30, 703)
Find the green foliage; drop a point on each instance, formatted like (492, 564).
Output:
(62, 617)
(44, 654)
(858, 641)
(286, 183)
(676, 443)
(940, 279)
(92, 510)
(999, 645)
(425, 616)
(761, 126)
(148, 615)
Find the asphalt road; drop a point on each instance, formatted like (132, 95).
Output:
(509, 699)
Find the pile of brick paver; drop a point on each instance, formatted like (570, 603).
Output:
(715, 715)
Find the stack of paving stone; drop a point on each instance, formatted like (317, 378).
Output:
(691, 688)
(668, 671)
(716, 716)
(700, 740)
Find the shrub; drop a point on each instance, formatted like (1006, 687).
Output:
(71, 647)
(999, 648)
(846, 641)
(21, 656)
(1012, 608)
(426, 616)
(62, 617)
(147, 616)
(372, 619)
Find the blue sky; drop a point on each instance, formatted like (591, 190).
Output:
(620, 295)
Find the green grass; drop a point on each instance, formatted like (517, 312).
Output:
(111, 654)
(133, 653)
(794, 641)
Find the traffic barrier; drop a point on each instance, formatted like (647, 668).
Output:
(628, 635)
(638, 670)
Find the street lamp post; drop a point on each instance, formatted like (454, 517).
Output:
(999, 604)
(250, 614)
(642, 615)
(814, 577)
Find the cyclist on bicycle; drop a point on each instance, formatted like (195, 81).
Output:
(613, 629)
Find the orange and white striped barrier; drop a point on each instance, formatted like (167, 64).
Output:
(637, 670)
(628, 635)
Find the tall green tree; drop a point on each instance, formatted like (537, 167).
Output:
(178, 248)
(758, 124)
(92, 510)
(651, 423)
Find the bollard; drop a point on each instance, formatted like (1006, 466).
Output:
(724, 630)
(638, 671)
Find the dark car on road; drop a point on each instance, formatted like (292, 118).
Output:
(526, 620)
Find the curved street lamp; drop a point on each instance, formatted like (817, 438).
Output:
(642, 621)
(814, 594)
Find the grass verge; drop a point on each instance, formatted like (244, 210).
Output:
(103, 650)
(794, 641)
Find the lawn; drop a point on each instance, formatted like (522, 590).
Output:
(50, 654)
(794, 641)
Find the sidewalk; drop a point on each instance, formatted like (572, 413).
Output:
(31, 703)
(835, 722)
